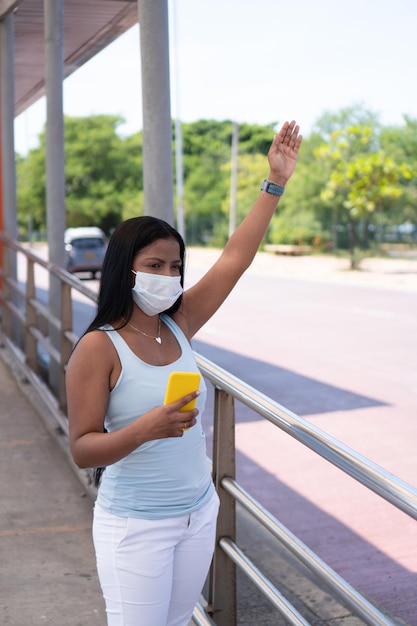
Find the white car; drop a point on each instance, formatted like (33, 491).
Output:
(85, 248)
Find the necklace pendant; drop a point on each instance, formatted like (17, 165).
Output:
(158, 340)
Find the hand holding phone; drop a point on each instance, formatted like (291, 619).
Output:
(180, 384)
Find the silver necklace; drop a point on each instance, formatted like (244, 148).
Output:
(157, 338)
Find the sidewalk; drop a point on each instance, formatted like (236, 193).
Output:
(384, 273)
(47, 562)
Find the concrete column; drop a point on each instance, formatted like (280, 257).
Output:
(157, 130)
(55, 165)
(7, 126)
(8, 220)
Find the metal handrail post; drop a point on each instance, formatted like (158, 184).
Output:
(31, 351)
(6, 313)
(222, 578)
(66, 344)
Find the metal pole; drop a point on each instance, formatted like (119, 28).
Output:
(233, 179)
(180, 178)
(157, 130)
(179, 170)
(55, 163)
(7, 124)
(222, 588)
(8, 188)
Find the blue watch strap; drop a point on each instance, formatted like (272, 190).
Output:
(270, 187)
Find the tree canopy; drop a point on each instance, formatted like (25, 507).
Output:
(362, 180)
(355, 179)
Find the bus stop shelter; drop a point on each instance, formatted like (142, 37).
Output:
(41, 43)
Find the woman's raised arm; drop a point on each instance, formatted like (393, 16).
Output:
(203, 299)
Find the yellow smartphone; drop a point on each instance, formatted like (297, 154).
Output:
(179, 385)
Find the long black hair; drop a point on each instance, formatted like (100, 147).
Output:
(115, 295)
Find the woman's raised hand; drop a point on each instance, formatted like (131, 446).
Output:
(283, 153)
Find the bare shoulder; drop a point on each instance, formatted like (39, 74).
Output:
(93, 350)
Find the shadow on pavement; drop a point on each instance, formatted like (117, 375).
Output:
(301, 394)
(362, 564)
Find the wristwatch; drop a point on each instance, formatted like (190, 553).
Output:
(270, 187)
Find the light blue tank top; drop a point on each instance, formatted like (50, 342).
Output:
(165, 477)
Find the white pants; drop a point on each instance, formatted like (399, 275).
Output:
(152, 571)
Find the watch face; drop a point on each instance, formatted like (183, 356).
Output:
(273, 188)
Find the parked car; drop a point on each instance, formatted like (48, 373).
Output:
(85, 248)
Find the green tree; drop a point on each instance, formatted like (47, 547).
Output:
(301, 218)
(361, 183)
(103, 175)
(31, 186)
(339, 179)
(103, 172)
(401, 144)
(206, 147)
(207, 168)
(355, 116)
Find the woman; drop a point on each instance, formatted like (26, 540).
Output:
(155, 514)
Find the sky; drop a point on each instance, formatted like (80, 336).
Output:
(257, 61)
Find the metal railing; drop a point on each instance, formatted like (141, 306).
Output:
(25, 326)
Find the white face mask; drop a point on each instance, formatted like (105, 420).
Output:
(154, 293)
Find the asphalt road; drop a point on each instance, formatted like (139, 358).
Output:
(343, 355)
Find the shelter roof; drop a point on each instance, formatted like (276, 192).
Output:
(89, 26)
